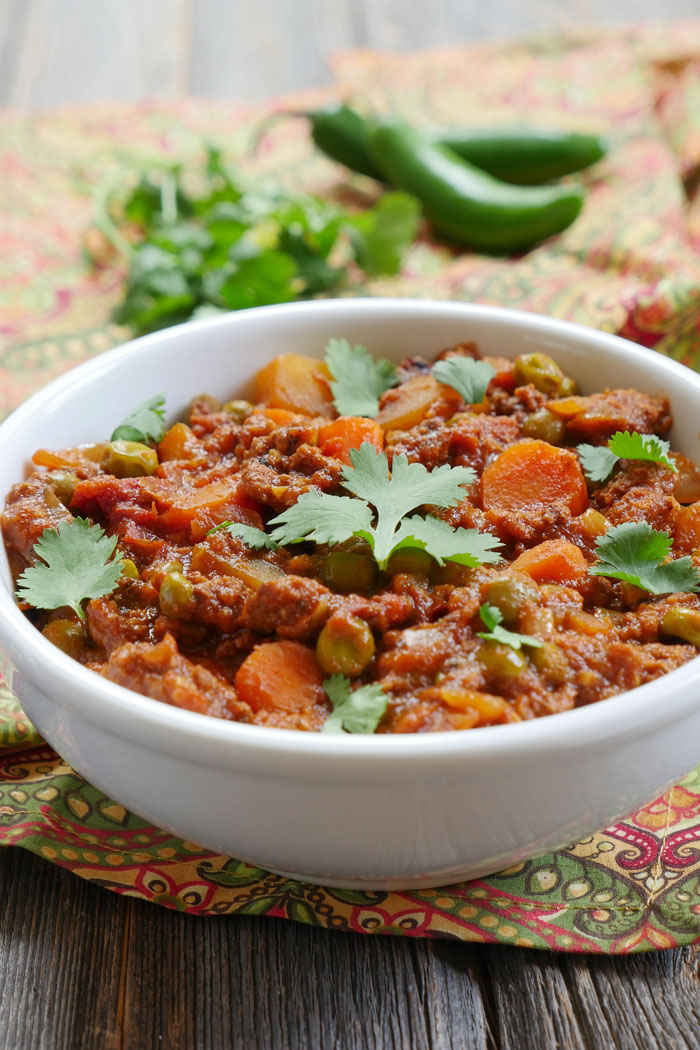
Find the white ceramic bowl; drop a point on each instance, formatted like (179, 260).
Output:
(353, 811)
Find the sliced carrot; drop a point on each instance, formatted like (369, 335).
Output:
(282, 417)
(179, 443)
(337, 438)
(530, 476)
(297, 383)
(280, 676)
(554, 561)
(408, 404)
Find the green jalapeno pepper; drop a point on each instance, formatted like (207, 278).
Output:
(464, 203)
(523, 155)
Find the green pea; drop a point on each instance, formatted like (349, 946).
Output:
(682, 623)
(509, 593)
(412, 560)
(63, 483)
(175, 595)
(348, 571)
(129, 459)
(129, 569)
(204, 403)
(551, 662)
(501, 661)
(345, 646)
(544, 374)
(238, 410)
(543, 425)
(67, 635)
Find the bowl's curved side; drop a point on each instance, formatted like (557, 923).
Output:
(430, 825)
(426, 810)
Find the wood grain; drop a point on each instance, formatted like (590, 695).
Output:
(94, 50)
(86, 969)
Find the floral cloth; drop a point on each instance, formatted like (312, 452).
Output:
(629, 265)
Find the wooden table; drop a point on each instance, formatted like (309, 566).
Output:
(83, 968)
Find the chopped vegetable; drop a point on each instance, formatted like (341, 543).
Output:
(338, 438)
(296, 383)
(635, 553)
(468, 377)
(493, 618)
(554, 561)
(598, 460)
(280, 676)
(333, 519)
(354, 711)
(358, 379)
(144, 423)
(75, 565)
(530, 474)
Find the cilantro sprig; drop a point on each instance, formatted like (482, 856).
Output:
(635, 553)
(78, 561)
(144, 423)
(354, 710)
(492, 618)
(358, 379)
(598, 461)
(380, 512)
(468, 377)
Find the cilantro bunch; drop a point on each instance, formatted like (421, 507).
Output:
(209, 241)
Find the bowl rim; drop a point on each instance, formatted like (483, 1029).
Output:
(129, 713)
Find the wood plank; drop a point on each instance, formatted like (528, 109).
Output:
(13, 31)
(86, 51)
(251, 51)
(60, 948)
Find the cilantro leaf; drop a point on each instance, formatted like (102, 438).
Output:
(598, 461)
(409, 487)
(255, 538)
(492, 618)
(354, 711)
(381, 235)
(75, 565)
(468, 377)
(322, 518)
(144, 423)
(358, 380)
(465, 546)
(635, 553)
(333, 519)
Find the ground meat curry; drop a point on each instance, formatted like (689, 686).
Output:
(204, 618)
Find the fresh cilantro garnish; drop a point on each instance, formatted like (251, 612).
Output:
(354, 711)
(333, 519)
(76, 566)
(468, 377)
(492, 618)
(255, 538)
(144, 423)
(358, 380)
(598, 460)
(635, 553)
(465, 546)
